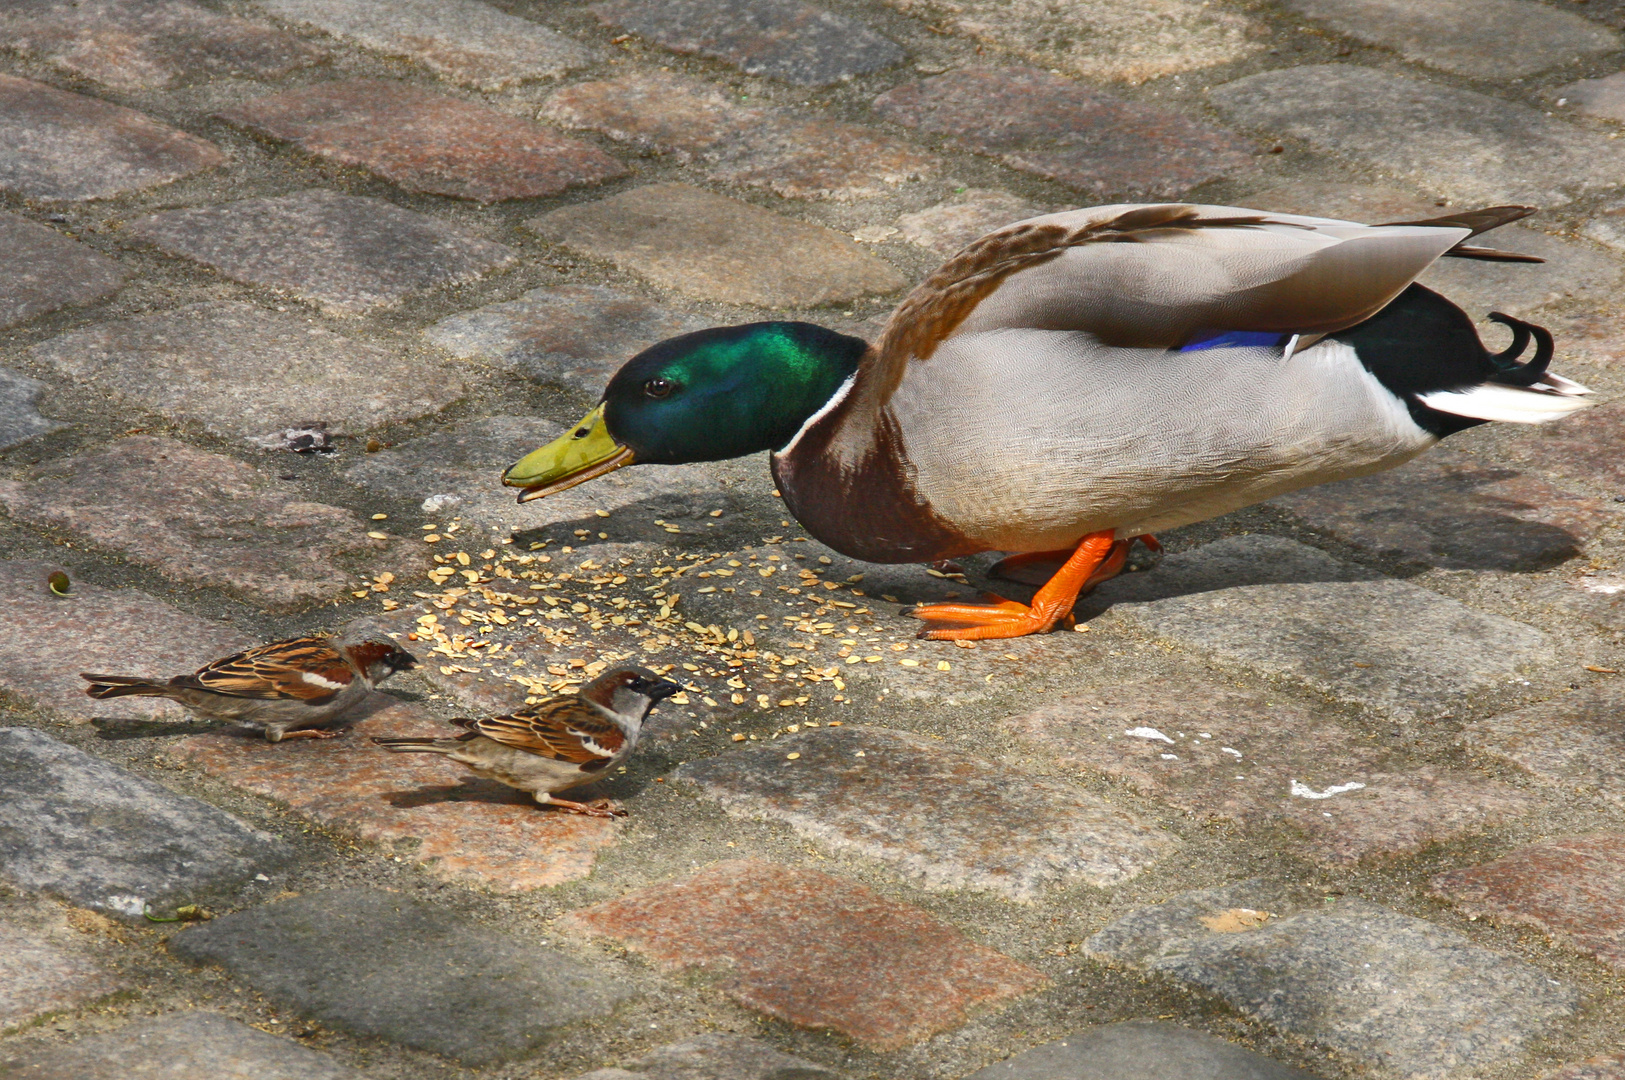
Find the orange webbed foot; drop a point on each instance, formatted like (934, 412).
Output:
(1098, 557)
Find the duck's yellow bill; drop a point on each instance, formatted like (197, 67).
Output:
(583, 453)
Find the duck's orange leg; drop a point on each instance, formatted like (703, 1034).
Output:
(1098, 557)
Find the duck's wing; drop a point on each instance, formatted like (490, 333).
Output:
(1165, 276)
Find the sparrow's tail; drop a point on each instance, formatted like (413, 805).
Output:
(421, 746)
(109, 686)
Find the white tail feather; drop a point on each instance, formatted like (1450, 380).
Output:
(1510, 404)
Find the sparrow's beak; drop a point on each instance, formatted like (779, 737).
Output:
(663, 689)
(583, 453)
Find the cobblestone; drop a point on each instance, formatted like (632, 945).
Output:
(45, 271)
(60, 146)
(1120, 40)
(243, 372)
(776, 149)
(1282, 609)
(956, 221)
(20, 421)
(146, 44)
(402, 970)
(1582, 449)
(140, 496)
(45, 966)
(716, 1057)
(1599, 1068)
(1139, 1051)
(427, 142)
(567, 335)
(814, 950)
(786, 39)
(1453, 510)
(948, 820)
(46, 640)
(1222, 752)
(1572, 888)
(1604, 97)
(1385, 989)
(347, 254)
(715, 248)
(465, 41)
(77, 827)
(1468, 37)
(1461, 144)
(178, 1046)
(1575, 739)
(459, 828)
(1065, 131)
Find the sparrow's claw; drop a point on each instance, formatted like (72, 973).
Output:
(600, 808)
(309, 733)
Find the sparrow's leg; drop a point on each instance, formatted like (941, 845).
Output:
(597, 808)
(305, 733)
(1098, 557)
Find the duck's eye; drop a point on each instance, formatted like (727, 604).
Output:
(658, 388)
(581, 433)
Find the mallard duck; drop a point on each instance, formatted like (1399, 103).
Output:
(1072, 382)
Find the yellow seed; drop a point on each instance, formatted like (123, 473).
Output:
(380, 517)
(942, 665)
(790, 757)
(432, 538)
(738, 736)
(462, 557)
(602, 513)
(377, 536)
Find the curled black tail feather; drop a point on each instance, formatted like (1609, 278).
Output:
(1507, 368)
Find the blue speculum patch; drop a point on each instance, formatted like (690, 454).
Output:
(1239, 339)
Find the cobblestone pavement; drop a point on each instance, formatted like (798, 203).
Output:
(1334, 791)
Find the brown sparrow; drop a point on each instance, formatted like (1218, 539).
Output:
(560, 742)
(287, 689)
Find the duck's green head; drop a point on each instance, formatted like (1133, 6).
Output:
(707, 396)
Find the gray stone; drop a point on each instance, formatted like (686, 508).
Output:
(781, 150)
(468, 462)
(176, 1046)
(1212, 751)
(44, 270)
(242, 372)
(1284, 609)
(1116, 40)
(143, 44)
(57, 145)
(206, 519)
(462, 40)
(1454, 510)
(786, 39)
(1468, 37)
(81, 828)
(1604, 97)
(570, 335)
(716, 1056)
(1062, 130)
(950, 821)
(956, 221)
(380, 964)
(1606, 1067)
(47, 964)
(1571, 268)
(1139, 1051)
(46, 641)
(1388, 990)
(1574, 740)
(1458, 143)
(346, 253)
(20, 421)
(716, 248)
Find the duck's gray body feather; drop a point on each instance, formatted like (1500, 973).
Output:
(1029, 439)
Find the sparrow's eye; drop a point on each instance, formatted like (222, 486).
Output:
(658, 388)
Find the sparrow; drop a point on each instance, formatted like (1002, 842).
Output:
(558, 743)
(286, 689)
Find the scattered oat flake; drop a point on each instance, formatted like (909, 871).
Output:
(1602, 670)
(1235, 920)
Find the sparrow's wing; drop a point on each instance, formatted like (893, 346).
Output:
(562, 728)
(303, 669)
